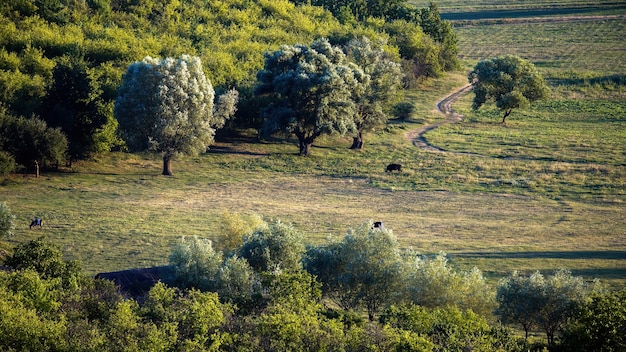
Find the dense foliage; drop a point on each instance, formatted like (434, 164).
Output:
(63, 61)
(273, 294)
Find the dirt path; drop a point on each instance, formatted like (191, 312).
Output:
(444, 106)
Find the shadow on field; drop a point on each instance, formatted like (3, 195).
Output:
(616, 79)
(551, 254)
(229, 150)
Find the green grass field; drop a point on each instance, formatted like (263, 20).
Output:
(543, 192)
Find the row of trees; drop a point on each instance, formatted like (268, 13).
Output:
(264, 290)
(62, 61)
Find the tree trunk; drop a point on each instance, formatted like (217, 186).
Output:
(36, 168)
(305, 147)
(167, 165)
(506, 113)
(305, 142)
(357, 142)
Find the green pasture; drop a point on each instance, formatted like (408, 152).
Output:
(480, 9)
(545, 191)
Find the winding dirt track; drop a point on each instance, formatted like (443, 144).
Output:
(444, 106)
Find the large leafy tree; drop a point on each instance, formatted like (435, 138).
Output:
(381, 88)
(598, 325)
(510, 81)
(167, 106)
(365, 269)
(74, 105)
(312, 89)
(545, 302)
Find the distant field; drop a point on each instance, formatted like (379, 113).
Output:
(546, 191)
(481, 9)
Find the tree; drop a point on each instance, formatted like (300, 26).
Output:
(544, 302)
(274, 248)
(519, 300)
(45, 258)
(167, 106)
(74, 105)
(380, 88)
(510, 81)
(312, 89)
(441, 31)
(7, 220)
(404, 110)
(197, 265)
(365, 269)
(434, 283)
(598, 325)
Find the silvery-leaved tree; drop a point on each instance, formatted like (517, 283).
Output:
(377, 93)
(167, 106)
(311, 90)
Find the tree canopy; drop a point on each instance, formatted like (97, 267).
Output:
(510, 81)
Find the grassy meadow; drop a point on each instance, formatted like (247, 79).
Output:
(545, 191)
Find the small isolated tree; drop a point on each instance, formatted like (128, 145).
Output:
(167, 106)
(510, 81)
(311, 89)
(7, 220)
(404, 110)
(379, 89)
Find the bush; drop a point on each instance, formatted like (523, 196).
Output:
(7, 163)
(7, 220)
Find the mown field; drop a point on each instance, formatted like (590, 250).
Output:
(545, 191)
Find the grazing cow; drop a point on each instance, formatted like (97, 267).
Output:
(394, 167)
(36, 222)
(378, 225)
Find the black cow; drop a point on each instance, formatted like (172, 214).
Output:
(394, 167)
(36, 222)
(378, 225)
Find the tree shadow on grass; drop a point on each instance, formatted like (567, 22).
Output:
(546, 254)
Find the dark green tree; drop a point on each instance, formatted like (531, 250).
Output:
(598, 325)
(73, 105)
(510, 81)
(46, 259)
(312, 89)
(441, 31)
(31, 142)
